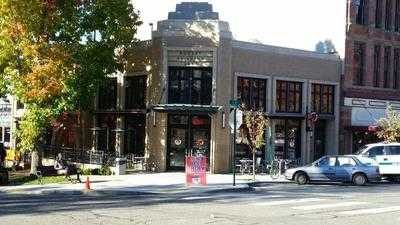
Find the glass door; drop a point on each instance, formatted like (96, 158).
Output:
(177, 148)
(287, 139)
(187, 138)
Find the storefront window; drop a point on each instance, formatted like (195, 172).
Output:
(322, 99)
(189, 85)
(252, 93)
(288, 96)
(106, 135)
(134, 142)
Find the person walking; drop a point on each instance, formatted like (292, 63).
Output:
(3, 155)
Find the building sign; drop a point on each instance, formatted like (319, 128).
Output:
(196, 168)
(190, 58)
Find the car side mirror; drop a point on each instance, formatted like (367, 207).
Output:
(316, 164)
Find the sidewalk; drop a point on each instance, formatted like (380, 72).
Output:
(156, 183)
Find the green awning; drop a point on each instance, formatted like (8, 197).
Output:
(180, 108)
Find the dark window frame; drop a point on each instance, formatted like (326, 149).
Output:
(377, 65)
(388, 15)
(378, 14)
(397, 17)
(108, 94)
(7, 134)
(254, 97)
(386, 67)
(396, 68)
(362, 13)
(135, 92)
(325, 92)
(284, 89)
(359, 69)
(185, 76)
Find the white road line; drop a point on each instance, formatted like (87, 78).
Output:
(327, 206)
(233, 198)
(196, 198)
(287, 202)
(371, 211)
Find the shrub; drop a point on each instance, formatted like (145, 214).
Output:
(105, 170)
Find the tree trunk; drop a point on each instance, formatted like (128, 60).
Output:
(254, 166)
(36, 160)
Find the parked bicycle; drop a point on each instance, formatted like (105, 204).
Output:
(279, 166)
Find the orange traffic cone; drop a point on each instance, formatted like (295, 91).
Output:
(87, 184)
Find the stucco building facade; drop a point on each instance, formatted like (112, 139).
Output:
(192, 67)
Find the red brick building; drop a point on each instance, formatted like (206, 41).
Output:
(371, 79)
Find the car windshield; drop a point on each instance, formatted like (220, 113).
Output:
(361, 150)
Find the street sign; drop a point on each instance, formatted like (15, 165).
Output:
(234, 103)
(239, 119)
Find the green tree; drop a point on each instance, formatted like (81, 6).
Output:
(252, 132)
(54, 54)
(389, 127)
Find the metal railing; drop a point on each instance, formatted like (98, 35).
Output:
(87, 156)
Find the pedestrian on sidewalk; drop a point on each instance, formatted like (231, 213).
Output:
(3, 155)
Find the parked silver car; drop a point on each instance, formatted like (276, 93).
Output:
(335, 168)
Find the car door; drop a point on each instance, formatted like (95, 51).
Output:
(344, 168)
(324, 169)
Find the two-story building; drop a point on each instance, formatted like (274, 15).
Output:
(173, 98)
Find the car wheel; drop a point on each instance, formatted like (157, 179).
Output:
(301, 178)
(359, 179)
(391, 179)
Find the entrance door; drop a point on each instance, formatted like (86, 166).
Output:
(177, 148)
(288, 139)
(180, 128)
(319, 139)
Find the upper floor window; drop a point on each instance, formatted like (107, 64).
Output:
(135, 92)
(386, 67)
(107, 97)
(322, 98)
(188, 85)
(378, 14)
(377, 65)
(362, 12)
(288, 96)
(397, 17)
(396, 70)
(388, 15)
(359, 63)
(7, 134)
(252, 93)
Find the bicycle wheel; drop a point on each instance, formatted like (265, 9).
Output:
(274, 171)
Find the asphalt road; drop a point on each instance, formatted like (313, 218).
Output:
(270, 204)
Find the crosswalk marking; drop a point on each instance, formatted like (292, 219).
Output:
(327, 206)
(371, 211)
(286, 202)
(196, 197)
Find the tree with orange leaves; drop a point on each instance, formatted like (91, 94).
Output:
(55, 53)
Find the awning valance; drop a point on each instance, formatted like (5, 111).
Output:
(209, 109)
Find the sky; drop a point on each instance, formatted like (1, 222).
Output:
(287, 23)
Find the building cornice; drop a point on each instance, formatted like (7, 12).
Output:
(283, 50)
